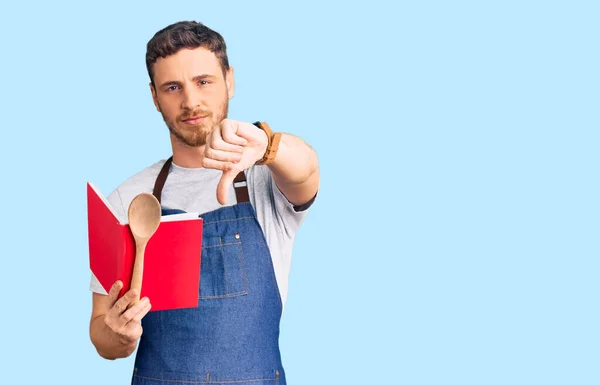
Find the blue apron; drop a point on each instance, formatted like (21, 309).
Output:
(232, 337)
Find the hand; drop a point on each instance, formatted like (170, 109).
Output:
(233, 147)
(123, 321)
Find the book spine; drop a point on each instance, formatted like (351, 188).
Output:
(128, 258)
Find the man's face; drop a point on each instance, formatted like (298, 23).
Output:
(191, 93)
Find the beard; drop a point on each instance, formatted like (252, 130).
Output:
(195, 135)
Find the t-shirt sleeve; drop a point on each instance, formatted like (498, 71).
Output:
(96, 286)
(117, 206)
(114, 199)
(291, 216)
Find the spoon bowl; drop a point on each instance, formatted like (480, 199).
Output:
(144, 217)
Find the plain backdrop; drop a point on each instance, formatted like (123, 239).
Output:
(455, 237)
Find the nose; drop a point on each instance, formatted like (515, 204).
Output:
(191, 98)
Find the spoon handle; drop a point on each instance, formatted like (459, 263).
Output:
(138, 269)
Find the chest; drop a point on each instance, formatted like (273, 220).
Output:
(193, 195)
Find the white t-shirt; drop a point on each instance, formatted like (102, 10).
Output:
(195, 190)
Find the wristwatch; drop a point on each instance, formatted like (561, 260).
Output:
(272, 146)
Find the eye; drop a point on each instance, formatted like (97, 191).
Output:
(203, 82)
(173, 88)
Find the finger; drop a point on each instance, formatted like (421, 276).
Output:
(229, 133)
(130, 313)
(251, 132)
(217, 142)
(224, 156)
(216, 164)
(132, 332)
(137, 318)
(121, 305)
(224, 185)
(114, 291)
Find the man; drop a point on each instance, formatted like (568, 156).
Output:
(253, 186)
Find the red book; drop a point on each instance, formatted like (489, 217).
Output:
(171, 277)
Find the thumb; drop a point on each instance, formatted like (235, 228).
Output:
(224, 185)
(113, 294)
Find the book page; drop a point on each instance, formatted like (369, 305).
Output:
(165, 218)
(104, 200)
(179, 217)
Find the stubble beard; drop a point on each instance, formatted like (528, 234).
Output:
(195, 135)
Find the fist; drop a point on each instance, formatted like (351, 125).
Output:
(125, 315)
(233, 147)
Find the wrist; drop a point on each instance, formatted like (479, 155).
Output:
(273, 139)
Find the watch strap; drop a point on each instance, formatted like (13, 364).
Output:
(272, 145)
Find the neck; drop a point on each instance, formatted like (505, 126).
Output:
(186, 156)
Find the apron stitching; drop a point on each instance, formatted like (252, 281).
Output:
(243, 261)
(222, 244)
(229, 220)
(224, 266)
(236, 294)
(208, 379)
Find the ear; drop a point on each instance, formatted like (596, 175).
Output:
(230, 82)
(153, 91)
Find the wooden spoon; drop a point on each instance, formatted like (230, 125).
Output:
(144, 218)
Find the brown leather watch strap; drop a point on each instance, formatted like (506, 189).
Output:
(272, 146)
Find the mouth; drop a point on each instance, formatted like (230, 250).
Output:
(194, 120)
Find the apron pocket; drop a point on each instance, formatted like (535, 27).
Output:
(222, 268)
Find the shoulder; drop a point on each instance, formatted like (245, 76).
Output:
(143, 178)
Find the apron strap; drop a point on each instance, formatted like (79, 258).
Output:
(241, 188)
(162, 178)
(239, 183)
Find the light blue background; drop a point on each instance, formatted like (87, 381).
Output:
(455, 238)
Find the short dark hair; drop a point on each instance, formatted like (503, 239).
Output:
(184, 35)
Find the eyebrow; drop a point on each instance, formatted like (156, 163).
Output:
(195, 79)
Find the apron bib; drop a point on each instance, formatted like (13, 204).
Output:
(233, 335)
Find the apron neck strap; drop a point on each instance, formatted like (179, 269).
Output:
(239, 183)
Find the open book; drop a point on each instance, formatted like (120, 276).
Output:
(171, 276)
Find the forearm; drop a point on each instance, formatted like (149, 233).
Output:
(107, 343)
(296, 169)
(295, 162)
